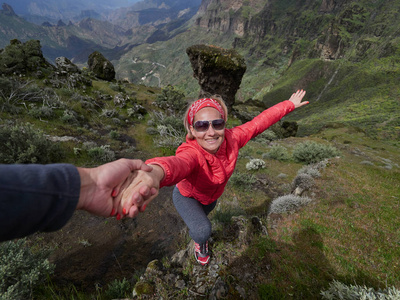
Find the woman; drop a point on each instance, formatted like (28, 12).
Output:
(203, 165)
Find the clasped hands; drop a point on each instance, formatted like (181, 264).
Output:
(119, 188)
(138, 190)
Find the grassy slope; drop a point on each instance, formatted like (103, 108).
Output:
(350, 233)
(364, 96)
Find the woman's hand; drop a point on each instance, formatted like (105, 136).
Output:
(128, 202)
(297, 97)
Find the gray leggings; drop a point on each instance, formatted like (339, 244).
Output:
(194, 214)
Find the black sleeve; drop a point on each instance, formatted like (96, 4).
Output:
(36, 198)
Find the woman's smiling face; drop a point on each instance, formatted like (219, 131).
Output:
(211, 139)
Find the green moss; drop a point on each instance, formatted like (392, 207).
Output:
(218, 58)
(144, 288)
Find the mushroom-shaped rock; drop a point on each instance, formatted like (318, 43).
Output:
(218, 71)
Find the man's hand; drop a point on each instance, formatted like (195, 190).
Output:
(101, 184)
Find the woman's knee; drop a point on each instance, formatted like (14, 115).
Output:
(201, 233)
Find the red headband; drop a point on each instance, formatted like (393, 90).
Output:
(199, 104)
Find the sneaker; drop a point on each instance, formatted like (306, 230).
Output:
(201, 253)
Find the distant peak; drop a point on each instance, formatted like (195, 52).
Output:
(8, 10)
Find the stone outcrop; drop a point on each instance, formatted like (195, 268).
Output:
(218, 71)
(67, 75)
(101, 67)
(65, 65)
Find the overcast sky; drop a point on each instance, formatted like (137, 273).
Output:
(23, 7)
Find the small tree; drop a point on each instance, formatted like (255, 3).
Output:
(171, 99)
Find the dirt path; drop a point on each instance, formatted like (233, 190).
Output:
(94, 251)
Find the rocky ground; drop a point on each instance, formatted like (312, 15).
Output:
(91, 251)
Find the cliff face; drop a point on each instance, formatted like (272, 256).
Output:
(324, 29)
(227, 15)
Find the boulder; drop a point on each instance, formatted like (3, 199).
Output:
(65, 65)
(101, 67)
(218, 71)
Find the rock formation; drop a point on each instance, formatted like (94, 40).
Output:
(68, 75)
(219, 71)
(64, 64)
(21, 58)
(101, 67)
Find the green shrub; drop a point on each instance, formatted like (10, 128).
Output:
(266, 136)
(14, 92)
(70, 117)
(175, 122)
(287, 204)
(114, 134)
(168, 137)
(119, 289)
(312, 152)
(21, 269)
(277, 152)
(67, 92)
(246, 152)
(255, 164)
(25, 144)
(225, 215)
(313, 169)
(137, 111)
(102, 153)
(303, 181)
(243, 181)
(339, 290)
(172, 121)
(171, 98)
(42, 112)
(284, 129)
(151, 131)
(108, 113)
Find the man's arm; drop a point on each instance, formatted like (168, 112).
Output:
(44, 197)
(36, 198)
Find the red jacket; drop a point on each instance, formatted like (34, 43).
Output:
(202, 175)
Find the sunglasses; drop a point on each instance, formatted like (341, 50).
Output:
(202, 126)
